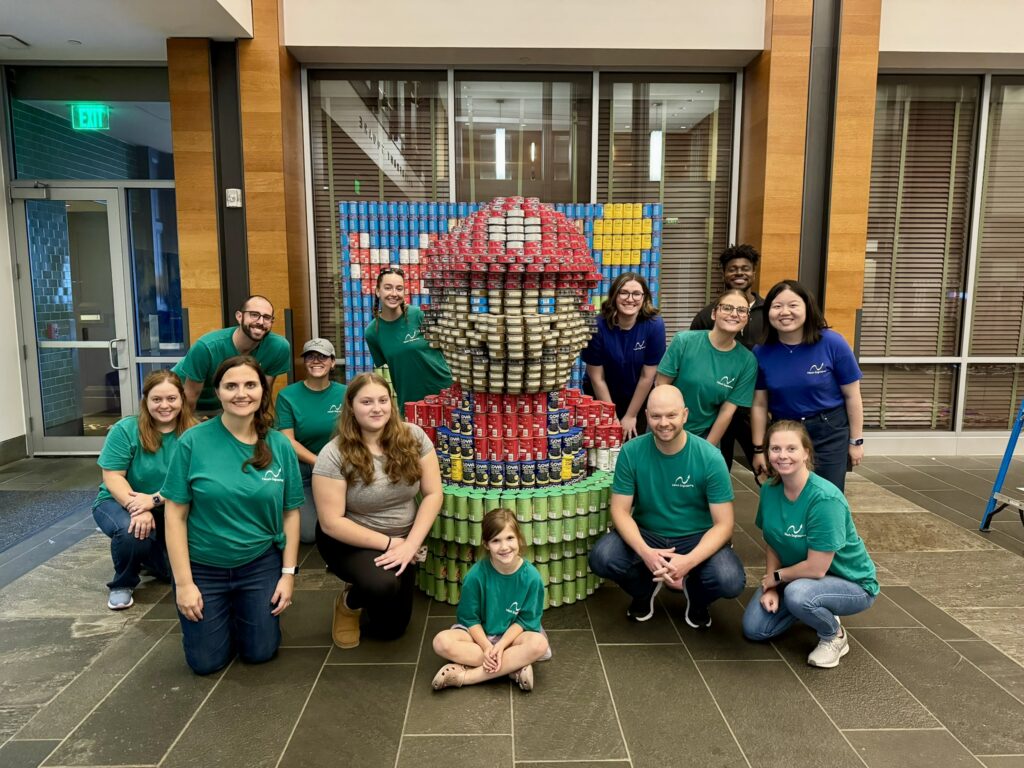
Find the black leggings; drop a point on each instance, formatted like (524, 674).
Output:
(386, 600)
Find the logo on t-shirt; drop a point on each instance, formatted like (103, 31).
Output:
(640, 346)
(726, 382)
(514, 608)
(271, 476)
(816, 370)
(682, 482)
(414, 336)
(334, 409)
(795, 533)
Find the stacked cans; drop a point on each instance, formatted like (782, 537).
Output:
(510, 297)
(560, 526)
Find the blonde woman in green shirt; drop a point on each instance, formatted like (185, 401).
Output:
(233, 493)
(816, 565)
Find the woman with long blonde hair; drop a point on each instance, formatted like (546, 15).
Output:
(129, 507)
(365, 484)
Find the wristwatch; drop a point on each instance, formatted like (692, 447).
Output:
(290, 571)
(758, 449)
(157, 501)
(777, 576)
(857, 441)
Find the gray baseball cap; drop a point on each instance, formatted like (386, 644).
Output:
(323, 346)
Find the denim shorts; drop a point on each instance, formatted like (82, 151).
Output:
(492, 639)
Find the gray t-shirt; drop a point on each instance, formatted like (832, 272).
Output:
(382, 506)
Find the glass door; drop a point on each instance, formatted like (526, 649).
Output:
(74, 316)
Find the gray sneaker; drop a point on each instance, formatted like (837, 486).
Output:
(829, 652)
(119, 599)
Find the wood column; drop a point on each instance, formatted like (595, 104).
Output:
(774, 128)
(857, 81)
(274, 176)
(188, 73)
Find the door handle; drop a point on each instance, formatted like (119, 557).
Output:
(111, 351)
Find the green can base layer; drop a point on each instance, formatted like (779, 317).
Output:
(560, 524)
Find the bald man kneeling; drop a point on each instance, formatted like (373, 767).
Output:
(672, 508)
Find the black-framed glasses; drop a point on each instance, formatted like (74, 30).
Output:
(632, 294)
(316, 357)
(729, 309)
(254, 315)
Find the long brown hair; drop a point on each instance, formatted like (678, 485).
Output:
(263, 419)
(149, 435)
(401, 448)
(496, 521)
(609, 308)
(789, 425)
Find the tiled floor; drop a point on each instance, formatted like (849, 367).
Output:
(934, 677)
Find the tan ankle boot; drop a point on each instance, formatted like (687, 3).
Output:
(345, 630)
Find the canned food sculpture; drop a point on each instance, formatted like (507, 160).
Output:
(509, 309)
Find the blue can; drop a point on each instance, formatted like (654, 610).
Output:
(527, 474)
(367, 225)
(371, 208)
(431, 209)
(656, 209)
(466, 446)
(361, 207)
(403, 225)
(554, 470)
(469, 471)
(655, 226)
(403, 208)
(554, 446)
(431, 226)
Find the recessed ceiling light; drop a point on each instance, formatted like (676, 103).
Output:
(74, 42)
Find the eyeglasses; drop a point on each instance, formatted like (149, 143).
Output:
(729, 309)
(632, 294)
(253, 315)
(316, 357)
(742, 270)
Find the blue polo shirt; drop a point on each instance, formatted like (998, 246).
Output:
(623, 355)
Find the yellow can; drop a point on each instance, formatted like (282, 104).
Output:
(598, 227)
(645, 243)
(634, 257)
(635, 242)
(637, 210)
(616, 242)
(646, 226)
(616, 210)
(617, 227)
(627, 226)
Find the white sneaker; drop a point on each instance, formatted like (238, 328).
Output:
(829, 652)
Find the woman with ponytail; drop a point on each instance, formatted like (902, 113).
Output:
(232, 497)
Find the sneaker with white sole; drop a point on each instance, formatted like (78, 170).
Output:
(642, 608)
(119, 599)
(829, 652)
(697, 616)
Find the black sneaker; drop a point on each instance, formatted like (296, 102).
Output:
(696, 616)
(642, 608)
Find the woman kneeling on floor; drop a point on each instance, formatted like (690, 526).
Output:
(129, 507)
(370, 530)
(817, 568)
(233, 494)
(498, 630)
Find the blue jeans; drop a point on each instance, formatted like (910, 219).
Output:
(721, 575)
(236, 614)
(815, 602)
(830, 436)
(128, 552)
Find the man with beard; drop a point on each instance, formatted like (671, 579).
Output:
(739, 270)
(251, 336)
(672, 509)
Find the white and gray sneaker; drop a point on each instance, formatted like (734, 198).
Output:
(829, 652)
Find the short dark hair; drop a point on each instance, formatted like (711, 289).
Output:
(744, 251)
(814, 323)
(256, 296)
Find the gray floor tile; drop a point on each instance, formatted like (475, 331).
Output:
(578, 764)
(41, 656)
(910, 749)
(665, 709)
(607, 610)
(749, 546)
(25, 754)
(58, 718)
(872, 474)
(910, 477)
(920, 531)
(1002, 761)
(249, 716)
(403, 650)
(979, 713)
(937, 620)
(13, 718)
(161, 683)
(859, 693)
(567, 617)
(449, 751)
(884, 613)
(749, 690)
(1000, 626)
(723, 639)
(569, 714)
(962, 579)
(339, 727)
(163, 610)
(308, 621)
(963, 481)
(474, 709)
(39, 549)
(997, 665)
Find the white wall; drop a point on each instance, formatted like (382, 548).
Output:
(952, 34)
(12, 410)
(526, 32)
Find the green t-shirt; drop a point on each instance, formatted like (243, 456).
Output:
(671, 494)
(819, 519)
(416, 369)
(200, 363)
(313, 415)
(123, 452)
(708, 377)
(234, 516)
(495, 600)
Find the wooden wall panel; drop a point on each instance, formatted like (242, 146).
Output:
(274, 183)
(851, 163)
(188, 71)
(775, 123)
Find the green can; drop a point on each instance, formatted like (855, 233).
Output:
(555, 589)
(524, 506)
(547, 598)
(527, 530)
(440, 589)
(555, 531)
(545, 573)
(453, 593)
(541, 553)
(475, 532)
(428, 584)
(569, 528)
(557, 571)
(540, 531)
(581, 589)
(461, 511)
(581, 566)
(540, 505)
(462, 531)
(569, 591)
(449, 529)
(555, 504)
(436, 526)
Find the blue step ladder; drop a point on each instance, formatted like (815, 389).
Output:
(999, 501)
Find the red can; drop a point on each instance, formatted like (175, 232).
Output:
(410, 412)
(524, 426)
(509, 427)
(480, 423)
(494, 426)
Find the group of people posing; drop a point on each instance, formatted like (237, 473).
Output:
(213, 485)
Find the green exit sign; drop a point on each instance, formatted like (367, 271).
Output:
(90, 117)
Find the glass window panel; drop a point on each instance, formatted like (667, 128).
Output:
(523, 135)
(904, 396)
(993, 395)
(123, 130)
